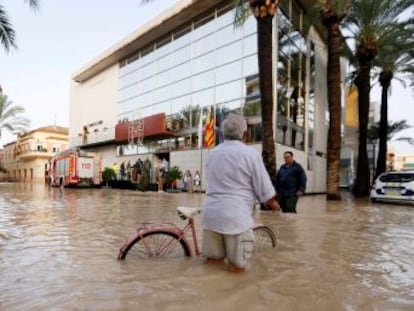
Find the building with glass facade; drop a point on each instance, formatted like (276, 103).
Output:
(145, 96)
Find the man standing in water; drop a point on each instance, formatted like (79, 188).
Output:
(290, 183)
(236, 176)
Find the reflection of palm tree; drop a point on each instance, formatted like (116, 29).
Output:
(252, 109)
(9, 116)
(7, 33)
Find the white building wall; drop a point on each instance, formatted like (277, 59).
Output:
(93, 101)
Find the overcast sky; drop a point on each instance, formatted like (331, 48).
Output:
(64, 35)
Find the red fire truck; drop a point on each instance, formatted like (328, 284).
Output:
(74, 167)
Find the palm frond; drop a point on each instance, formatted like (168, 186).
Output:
(7, 34)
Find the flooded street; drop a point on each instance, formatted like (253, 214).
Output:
(58, 251)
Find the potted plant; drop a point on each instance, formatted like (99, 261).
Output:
(172, 176)
(108, 174)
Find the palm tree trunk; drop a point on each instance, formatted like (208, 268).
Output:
(385, 80)
(362, 82)
(334, 102)
(264, 35)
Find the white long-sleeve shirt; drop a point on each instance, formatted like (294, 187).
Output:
(236, 176)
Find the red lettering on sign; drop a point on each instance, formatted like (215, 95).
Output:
(86, 166)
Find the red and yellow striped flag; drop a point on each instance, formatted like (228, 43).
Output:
(209, 134)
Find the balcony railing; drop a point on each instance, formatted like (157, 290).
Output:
(92, 138)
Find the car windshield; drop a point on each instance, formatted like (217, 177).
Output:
(397, 177)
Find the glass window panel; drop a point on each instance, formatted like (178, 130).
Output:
(180, 103)
(163, 78)
(147, 71)
(250, 25)
(182, 55)
(203, 27)
(147, 55)
(128, 92)
(233, 106)
(163, 47)
(229, 91)
(229, 72)
(162, 64)
(181, 38)
(128, 79)
(146, 85)
(229, 53)
(229, 34)
(204, 45)
(250, 66)
(145, 99)
(225, 19)
(204, 62)
(250, 45)
(203, 80)
(161, 94)
(203, 98)
(181, 87)
(181, 71)
(158, 108)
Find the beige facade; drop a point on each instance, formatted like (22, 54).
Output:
(157, 70)
(27, 158)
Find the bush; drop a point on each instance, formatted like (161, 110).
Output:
(173, 174)
(108, 174)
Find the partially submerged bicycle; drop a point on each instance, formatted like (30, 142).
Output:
(166, 240)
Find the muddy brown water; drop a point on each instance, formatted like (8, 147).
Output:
(58, 251)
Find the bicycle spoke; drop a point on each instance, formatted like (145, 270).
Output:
(264, 239)
(157, 245)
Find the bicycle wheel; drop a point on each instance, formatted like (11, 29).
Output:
(156, 245)
(264, 238)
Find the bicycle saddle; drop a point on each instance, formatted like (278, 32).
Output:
(188, 212)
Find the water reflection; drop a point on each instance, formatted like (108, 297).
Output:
(58, 250)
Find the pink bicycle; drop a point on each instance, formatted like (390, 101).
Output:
(166, 240)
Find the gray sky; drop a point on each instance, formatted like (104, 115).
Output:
(64, 35)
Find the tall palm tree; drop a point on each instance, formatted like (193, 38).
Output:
(7, 33)
(264, 12)
(372, 24)
(396, 59)
(332, 15)
(9, 116)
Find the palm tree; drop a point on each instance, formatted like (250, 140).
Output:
(264, 12)
(393, 128)
(7, 33)
(397, 58)
(372, 24)
(9, 116)
(332, 15)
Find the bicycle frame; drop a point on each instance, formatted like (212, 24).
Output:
(169, 228)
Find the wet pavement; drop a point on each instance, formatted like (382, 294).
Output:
(58, 251)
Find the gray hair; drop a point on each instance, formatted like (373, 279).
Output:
(234, 127)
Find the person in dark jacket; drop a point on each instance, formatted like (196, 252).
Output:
(290, 183)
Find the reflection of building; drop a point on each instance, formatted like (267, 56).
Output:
(26, 159)
(191, 58)
(349, 151)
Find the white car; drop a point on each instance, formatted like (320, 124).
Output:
(397, 186)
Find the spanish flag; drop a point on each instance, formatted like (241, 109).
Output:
(209, 135)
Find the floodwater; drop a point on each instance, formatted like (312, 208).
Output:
(58, 251)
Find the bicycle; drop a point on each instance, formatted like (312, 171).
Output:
(167, 240)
